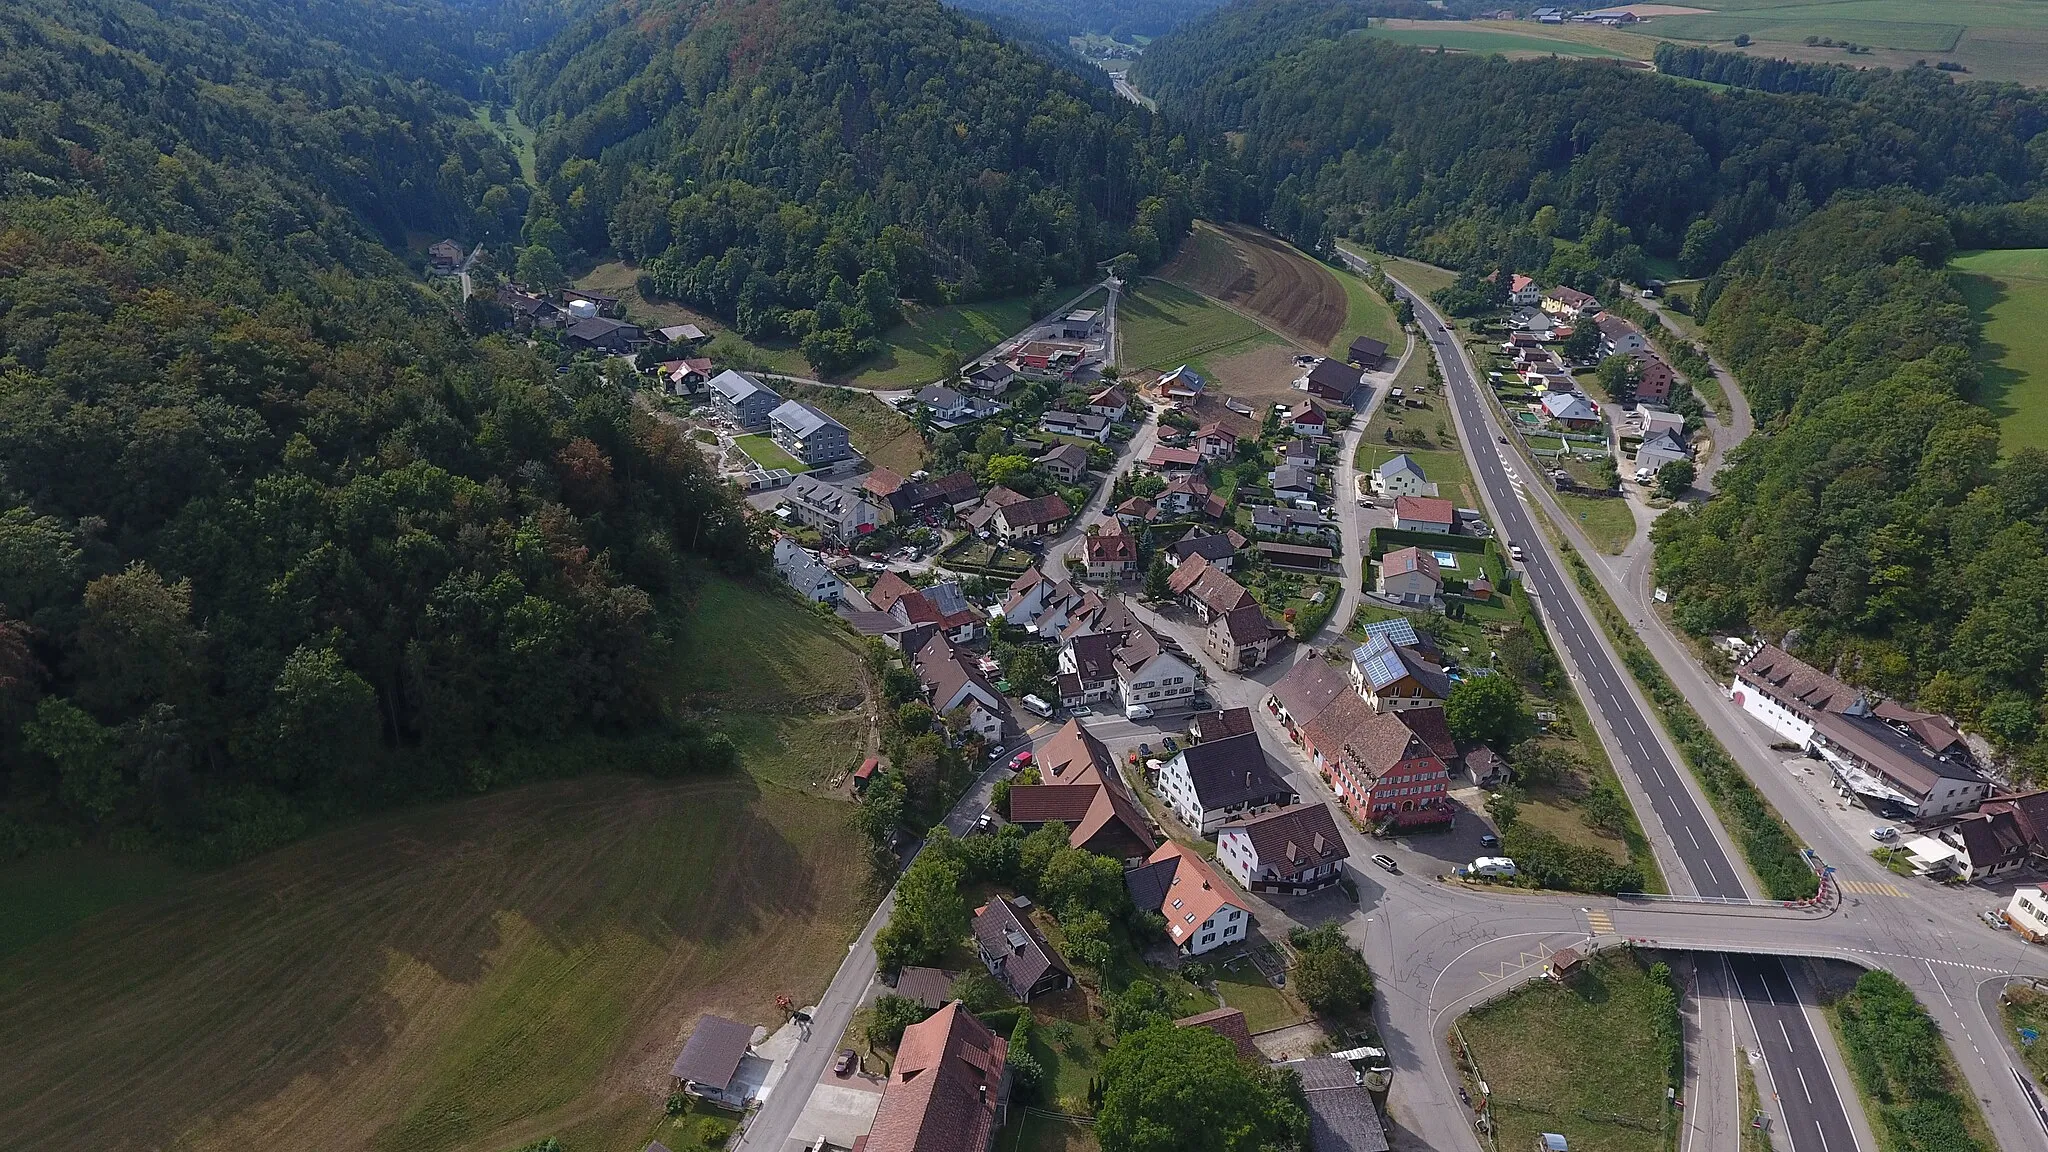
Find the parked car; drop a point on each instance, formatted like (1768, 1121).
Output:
(1385, 861)
(1884, 833)
(1171, 744)
(1137, 711)
(1489, 840)
(844, 1064)
(1991, 917)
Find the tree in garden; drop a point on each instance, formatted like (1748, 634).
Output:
(1156, 576)
(1583, 344)
(1168, 1089)
(1331, 975)
(1616, 375)
(1139, 1006)
(539, 269)
(1674, 478)
(1485, 709)
(930, 915)
(888, 1018)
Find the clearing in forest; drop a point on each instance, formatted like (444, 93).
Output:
(471, 975)
(1264, 276)
(2007, 290)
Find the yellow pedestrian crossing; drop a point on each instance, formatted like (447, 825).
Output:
(1872, 888)
(1600, 922)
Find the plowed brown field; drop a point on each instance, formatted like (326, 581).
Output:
(1261, 275)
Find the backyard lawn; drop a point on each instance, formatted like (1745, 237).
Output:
(763, 450)
(1443, 461)
(1580, 1052)
(914, 351)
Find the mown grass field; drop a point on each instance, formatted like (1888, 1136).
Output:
(1608, 523)
(914, 352)
(1513, 38)
(1161, 325)
(1995, 40)
(2007, 291)
(1365, 315)
(763, 450)
(470, 975)
(1570, 1056)
(880, 433)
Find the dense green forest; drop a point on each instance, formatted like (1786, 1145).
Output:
(1876, 521)
(800, 166)
(1467, 160)
(275, 534)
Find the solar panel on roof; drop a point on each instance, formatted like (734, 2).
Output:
(1398, 630)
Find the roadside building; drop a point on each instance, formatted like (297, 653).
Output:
(840, 514)
(1425, 514)
(1401, 476)
(1392, 677)
(1341, 1116)
(1212, 783)
(949, 1089)
(2027, 912)
(1367, 353)
(709, 1064)
(1082, 789)
(1016, 954)
(1109, 554)
(1202, 913)
(1292, 850)
(1066, 463)
(811, 579)
(1241, 638)
(808, 434)
(1410, 576)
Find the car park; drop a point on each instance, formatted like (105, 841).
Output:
(1385, 861)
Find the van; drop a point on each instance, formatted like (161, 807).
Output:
(1306, 504)
(1137, 711)
(1038, 706)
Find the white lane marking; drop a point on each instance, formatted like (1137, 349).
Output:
(1781, 1024)
(1802, 1084)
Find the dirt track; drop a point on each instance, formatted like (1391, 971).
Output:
(1261, 275)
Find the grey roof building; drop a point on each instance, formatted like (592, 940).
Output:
(812, 579)
(743, 400)
(1341, 1117)
(808, 434)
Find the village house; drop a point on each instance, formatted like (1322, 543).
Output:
(1183, 383)
(529, 310)
(1300, 454)
(1151, 673)
(808, 434)
(1201, 911)
(1212, 783)
(1987, 845)
(991, 379)
(947, 407)
(1881, 753)
(1401, 476)
(1618, 337)
(1080, 324)
(2027, 912)
(445, 257)
(1081, 788)
(1111, 404)
(951, 681)
(1425, 514)
(1241, 638)
(1376, 763)
(1016, 954)
(684, 377)
(949, 1087)
(942, 605)
(1341, 1114)
(1410, 576)
(1308, 419)
(742, 401)
(1190, 495)
(1215, 442)
(709, 1064)
(811, 579)
(1293, 850)
(1228, 1023)
(1393, 677)
(1206, 589)
(1572, 410)
(1109, 553)
(1332, 380)
(1367, 353)
(1285, 521)
(1165, 460)
(602, 334)
(1067, 463)
(1523, 293)
(1219, 548)
(1657, 451)
(1136, 511)
(838, 513)
(1036, 600)
(1043, 516)
(1291, 483)
(1654, 378)
(1085, 425)
(1568, 303)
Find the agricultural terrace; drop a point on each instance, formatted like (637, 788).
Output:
(2007, 291)
(1581, 1053)
(473, 975)
(1263, 275)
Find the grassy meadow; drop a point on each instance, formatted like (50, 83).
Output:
(1161, 325)
(2007, 290)
(470, 975)
(914, 352)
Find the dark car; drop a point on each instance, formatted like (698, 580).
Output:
(1489, 841)
(844, 1064)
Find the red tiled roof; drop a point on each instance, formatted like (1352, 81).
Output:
(1429, 509)
(1229, 1024)
(1030, 513)
(1112, 548)
(944, 1092)
(889, 588)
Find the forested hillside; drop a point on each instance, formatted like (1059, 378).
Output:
(1121, 19)
(796, 166)
(275, 534)
(1877, 520)
(1464, 159)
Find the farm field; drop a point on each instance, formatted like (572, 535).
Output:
(2008, 292)
(914, 352)
(469, 975)
(1513, 38)
(1366, 315)
(728, 348)
(1996, 40)
(1265, 276)
(880, 433)
(1580, 1050)
(1161, 324)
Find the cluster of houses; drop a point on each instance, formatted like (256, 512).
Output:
(1912, 765)
(1374, 727)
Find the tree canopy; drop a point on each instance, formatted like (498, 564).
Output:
(1168, 1089)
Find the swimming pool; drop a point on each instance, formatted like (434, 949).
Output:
(1446, 559)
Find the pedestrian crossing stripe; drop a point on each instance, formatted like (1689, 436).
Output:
(1872, 888)
(1600, 922)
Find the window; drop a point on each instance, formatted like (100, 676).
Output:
(1209, 938)
(1176, 902)
(1235, 915)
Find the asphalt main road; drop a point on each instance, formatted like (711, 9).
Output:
(1692, 835)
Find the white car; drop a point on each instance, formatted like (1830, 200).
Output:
(1515, 553)
(1884, 833)
(1137, 711)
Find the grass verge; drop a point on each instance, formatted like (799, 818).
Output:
(1912, 1091)
(1769, 846)
(1575, 1057)
(1606, 521)
(2024, 1006)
